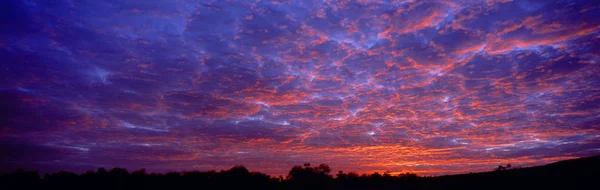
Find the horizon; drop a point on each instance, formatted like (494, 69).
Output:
(429, 87)
(332, 173)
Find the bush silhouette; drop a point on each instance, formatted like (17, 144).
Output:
(573, 174)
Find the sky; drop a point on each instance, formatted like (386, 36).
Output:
(433, 87)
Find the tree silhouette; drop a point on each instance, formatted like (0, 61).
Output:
(563, 175)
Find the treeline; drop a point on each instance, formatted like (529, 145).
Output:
(238, 177)
(573, 174)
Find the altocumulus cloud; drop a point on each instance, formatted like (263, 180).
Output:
(427, 86)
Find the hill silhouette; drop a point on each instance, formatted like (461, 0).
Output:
(570, 174)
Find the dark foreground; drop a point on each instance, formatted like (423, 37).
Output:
(581, 173)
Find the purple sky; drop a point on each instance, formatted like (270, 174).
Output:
(434, 87)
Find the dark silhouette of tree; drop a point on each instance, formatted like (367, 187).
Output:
(500, 168)
(572, 174)
(309, 177)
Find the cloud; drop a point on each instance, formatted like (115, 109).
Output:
(425, 86)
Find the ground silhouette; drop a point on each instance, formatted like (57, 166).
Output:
(580, 173)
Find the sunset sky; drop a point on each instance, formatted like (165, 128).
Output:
(433, 87)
